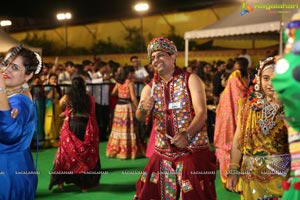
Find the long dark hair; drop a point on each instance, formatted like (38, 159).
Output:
(124, 74)
(243, 62)
(78, 99)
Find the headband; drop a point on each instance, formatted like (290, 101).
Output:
(262, 67)
(12, 55)
(39, 67)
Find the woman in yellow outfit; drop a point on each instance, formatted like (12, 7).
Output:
(53, 121)
(259, 155)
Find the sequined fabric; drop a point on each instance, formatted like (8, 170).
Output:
(161, 44)
(175, 121)
(266, 158)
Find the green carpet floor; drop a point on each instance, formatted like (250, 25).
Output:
(118, 183)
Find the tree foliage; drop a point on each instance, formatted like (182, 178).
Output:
(135, 42)
(42, 42)
(107, 47)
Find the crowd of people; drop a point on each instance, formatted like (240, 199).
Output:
(228, 105)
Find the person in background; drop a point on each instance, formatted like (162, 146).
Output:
(57, 69)
(65, 77)
(79, 71)
(87, 67)
(115, 66)
(45, 73)
(124, 140)
(226, 114)
(38, 97)
(244, 54)
(191, 69)
(217, 90)
(113, 99)
(78, 147)
(204, 72)
(217, 81)
(229, 68)
(100, 91)
(194, 64)
(18, 121)
(176, 100)
(141, 76)
(53, 121)
(259, 155)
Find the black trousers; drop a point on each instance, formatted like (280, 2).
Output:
(211, 116)
(103, 120)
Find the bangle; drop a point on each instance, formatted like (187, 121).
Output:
(187, 136)
(3, 89)
(233, 171)
(141, 108)
(234, 164)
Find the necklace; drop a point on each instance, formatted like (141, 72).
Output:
(267, 122)
(16, 91)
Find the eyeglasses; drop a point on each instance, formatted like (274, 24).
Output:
(11, 66)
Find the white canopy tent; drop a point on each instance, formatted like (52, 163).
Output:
(6, 42)
(258, 22)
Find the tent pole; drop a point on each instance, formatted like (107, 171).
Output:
(186, 52)
(280, 41)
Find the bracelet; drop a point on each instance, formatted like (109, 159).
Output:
(3, 89)
(233, 171)
(187, 136)
(141, 108)
(234, 164)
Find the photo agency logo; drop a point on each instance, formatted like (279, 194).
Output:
(246, 8)
(269, 7)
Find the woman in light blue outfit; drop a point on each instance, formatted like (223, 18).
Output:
(18, 120)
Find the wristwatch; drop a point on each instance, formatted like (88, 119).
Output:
(141, 108)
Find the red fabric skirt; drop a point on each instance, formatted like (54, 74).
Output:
(151, 142)
(191, 176)
(77, 157)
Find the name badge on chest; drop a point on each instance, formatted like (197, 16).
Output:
(174, 105)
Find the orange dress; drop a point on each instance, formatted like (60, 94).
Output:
(124, 140)
(226, 119)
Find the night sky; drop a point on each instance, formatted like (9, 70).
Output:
(41, 14)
